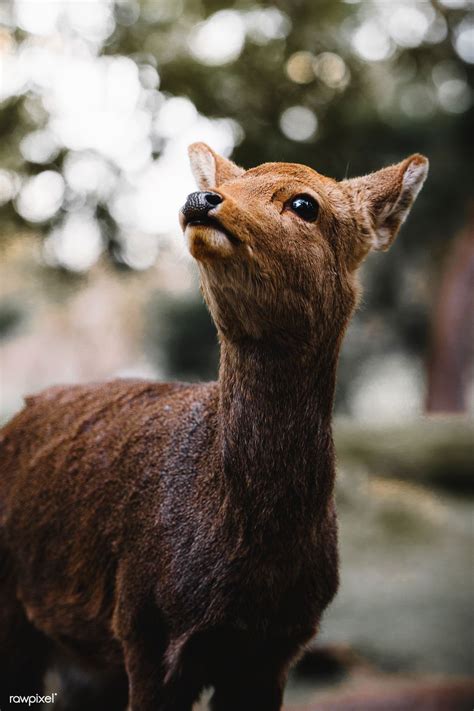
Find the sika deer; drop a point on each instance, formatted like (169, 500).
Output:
(169, 537)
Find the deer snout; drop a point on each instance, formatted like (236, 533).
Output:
(198, 204)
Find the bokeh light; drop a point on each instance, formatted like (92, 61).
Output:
(9, 185)
(175, 116)
(298, 123)
(76, 245)
(299, 67)
(418, 101)
(266, 24)
(464, 40)
(39, 146)
(399, 377)
(41, 196)
(39, 18)
(371, 42)
(332, 70)
(218, 40)
(87, 172)
(408, 26)
(455, 4)
(454, 95)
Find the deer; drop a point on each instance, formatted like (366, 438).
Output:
(159, 539)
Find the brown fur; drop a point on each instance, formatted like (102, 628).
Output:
(185, 535)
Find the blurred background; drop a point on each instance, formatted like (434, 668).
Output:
(98, 102)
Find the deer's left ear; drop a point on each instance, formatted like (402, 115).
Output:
(382, 200)
(209, 168)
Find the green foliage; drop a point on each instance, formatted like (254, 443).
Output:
(380, 112)
(361, 126)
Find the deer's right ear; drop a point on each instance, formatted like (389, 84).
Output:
(209, 168)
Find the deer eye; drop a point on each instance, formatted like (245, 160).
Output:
(305, 207)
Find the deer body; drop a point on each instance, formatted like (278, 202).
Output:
(170, 537)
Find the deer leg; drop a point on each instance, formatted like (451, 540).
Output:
(251, 694)
(144, 656)
(94, 692)
(159, 678)
(141, 629)
(153, 690)
(180, 695)
(251, 678)
(185, 676)
(24, 650)
(24, 660)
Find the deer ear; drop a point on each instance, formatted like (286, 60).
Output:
(209, 168)
(383, 199)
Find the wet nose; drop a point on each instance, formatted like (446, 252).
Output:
(198, 204)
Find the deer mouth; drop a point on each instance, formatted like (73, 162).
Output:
(214, 224)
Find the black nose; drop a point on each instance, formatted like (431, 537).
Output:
(198, 204)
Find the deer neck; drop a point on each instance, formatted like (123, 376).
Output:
(275, 428)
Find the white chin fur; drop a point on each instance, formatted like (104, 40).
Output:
(204, 241)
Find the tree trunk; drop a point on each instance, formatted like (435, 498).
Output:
(453, 328)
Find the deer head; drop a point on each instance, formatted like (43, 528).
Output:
(278, 245)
